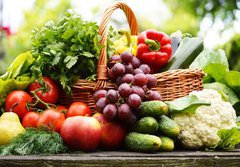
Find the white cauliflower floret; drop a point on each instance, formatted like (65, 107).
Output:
(200, 129)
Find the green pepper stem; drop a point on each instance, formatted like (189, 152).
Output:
(153, 45)
(127, 35)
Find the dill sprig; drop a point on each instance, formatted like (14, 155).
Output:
(35, 141)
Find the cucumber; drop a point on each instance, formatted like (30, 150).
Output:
(185, 54)
(146, 125)
(153, 108)
(142, 142)
(168, 127)
(167, 143)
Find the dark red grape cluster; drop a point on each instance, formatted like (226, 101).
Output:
(134, 81)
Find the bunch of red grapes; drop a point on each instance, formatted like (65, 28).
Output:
(134, 81)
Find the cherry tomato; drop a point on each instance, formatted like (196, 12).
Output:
(51, 94)
(16, 101)
(52, 119)
(78, 109)
(30, 119)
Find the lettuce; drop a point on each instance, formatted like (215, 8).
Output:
(8, 85)
(17, 76)
(215, 66)
(229, 138)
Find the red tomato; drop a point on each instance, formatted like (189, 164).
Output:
(30, 119)
(51, 94)
(16, 101)
(78, 109)
(61, 109)
(52, 119)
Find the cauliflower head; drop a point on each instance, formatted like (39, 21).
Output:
(199, 130)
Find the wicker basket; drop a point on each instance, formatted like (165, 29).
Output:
(171, 84)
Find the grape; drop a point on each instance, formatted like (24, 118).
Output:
(140, 79)
(101, 103)
(126, 57)
(134, 100)
(138, 71)
(124, 112)
(135, 62)
(139, 91)
(127, 78)
(130, 121)
(111, 75)
(112, 96)
(98, 94)
(152, 81)
(119, 81)
(128, 68)
(145, 68)
(145, 88)
(113, 60)
(152, 95)
(110, 112)
(124, 90)
(118, 69)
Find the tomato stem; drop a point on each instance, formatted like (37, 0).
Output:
(38, 100)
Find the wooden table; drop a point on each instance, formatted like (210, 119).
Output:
(114, 158)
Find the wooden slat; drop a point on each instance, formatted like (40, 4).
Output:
(116, 158)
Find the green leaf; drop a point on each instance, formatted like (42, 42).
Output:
(216, 71)
(232, 79)
(209, 56)
(229, 138)
(8, 85)
(70, 61)
(68, 34)
(19, 66)
(186, 104)
(221, 74)
(223, 90)
(87, 54)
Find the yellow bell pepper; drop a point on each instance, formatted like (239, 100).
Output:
(126, 43)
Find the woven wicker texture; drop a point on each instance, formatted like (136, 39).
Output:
(171, 84)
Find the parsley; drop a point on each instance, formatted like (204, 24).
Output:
(66, 50)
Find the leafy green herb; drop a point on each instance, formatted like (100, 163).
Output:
(35, 141)
(187, 104)
(66, 50)
(112, 36)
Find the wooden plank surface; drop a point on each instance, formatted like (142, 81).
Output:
(116, 158)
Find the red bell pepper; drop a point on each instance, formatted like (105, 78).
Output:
(154, 49)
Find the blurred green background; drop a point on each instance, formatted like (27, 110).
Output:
(216, 21)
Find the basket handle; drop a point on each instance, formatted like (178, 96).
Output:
(103, 31)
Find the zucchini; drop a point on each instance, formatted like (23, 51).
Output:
(185, 54)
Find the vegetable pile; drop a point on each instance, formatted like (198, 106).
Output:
(131, 115)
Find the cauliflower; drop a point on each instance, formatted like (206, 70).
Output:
(199, 130)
